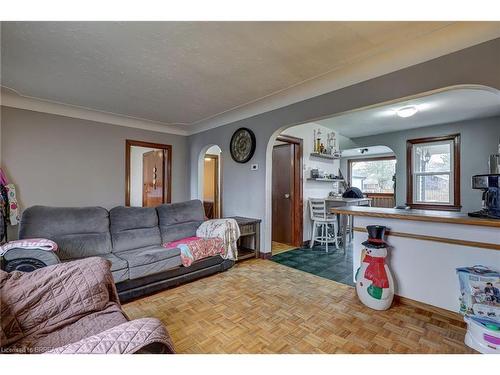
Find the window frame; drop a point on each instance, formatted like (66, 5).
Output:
(350, 162)
(454, 182)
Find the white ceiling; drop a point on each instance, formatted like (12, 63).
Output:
(456, 104)
(195, 73)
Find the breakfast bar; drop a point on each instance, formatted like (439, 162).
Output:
(426, 247)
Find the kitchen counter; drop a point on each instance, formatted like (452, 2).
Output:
(426, 247)
(349, 201)
(417, 215)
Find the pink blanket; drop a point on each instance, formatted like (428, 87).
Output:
(195, 248)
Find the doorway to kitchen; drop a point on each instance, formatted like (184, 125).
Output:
(287, 201)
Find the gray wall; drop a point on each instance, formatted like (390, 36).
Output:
(61, 161)
(479, 138)
(244, 191)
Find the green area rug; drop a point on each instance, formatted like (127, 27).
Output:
(334, 265)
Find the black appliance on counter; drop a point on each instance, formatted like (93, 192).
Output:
(490, 184)
(352, 192)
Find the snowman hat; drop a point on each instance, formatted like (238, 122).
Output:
(376, 234)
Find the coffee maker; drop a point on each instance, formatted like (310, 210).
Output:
(490, 185)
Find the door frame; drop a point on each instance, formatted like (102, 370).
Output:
(167, 149)
(298, 200)
(217, 192)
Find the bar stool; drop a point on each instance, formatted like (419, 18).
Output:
(321, 223)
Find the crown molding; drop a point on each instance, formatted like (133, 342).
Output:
(449, 39)
(11, 98)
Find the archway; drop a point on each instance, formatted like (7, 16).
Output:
(480, 92)
(210, 180)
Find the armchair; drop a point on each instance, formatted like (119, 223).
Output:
(72, 308)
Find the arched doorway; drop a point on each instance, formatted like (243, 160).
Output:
(358, 135)
(210, 181)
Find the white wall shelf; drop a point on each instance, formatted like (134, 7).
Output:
(324, 156)
(325, 179)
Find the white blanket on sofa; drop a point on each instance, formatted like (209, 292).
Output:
(226, 229)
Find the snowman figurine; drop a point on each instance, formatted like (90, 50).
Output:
(374, 283)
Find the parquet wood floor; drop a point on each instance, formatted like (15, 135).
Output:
(259, 306)
(278, 247)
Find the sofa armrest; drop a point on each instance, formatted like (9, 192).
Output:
(28, 260)
(146, 335)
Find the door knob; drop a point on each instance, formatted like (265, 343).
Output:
(287, 196)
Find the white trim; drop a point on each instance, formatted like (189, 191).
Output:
(10, 98)
(450, 173)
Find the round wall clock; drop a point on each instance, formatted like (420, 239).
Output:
(242, 145)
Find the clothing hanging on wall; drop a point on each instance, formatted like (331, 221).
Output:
(4, 212)
(3, 178)
(9, 208)
(13, 217)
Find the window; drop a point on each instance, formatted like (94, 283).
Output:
(433, 173)
(373, 175)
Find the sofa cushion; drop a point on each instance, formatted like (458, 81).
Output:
(134, 227)
(180, 220)
(78, 231)
(119, 267)
(147, 255)
(154, 268)
(150, 260)
(121, 275)
(116, 263)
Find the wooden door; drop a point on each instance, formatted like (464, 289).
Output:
(283, 193)
(153, 178)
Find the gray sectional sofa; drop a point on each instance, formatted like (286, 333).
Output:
(129, 237)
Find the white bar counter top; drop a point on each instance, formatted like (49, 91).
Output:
(417, 215)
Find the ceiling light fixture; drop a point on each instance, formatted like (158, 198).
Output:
(407, 111)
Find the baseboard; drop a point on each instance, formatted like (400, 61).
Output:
(438, 310)
(265, 255)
